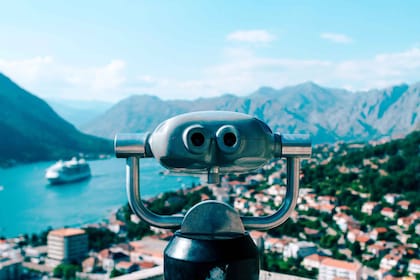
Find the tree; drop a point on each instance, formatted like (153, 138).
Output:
(288, 228)
(66, 271)
(115, 273)
(100, 238)
(395, 163)
(137, 231)
(328, 241)
(390, 236)
(356, 251)
(373, 263)
(34, 240)
(42, 238)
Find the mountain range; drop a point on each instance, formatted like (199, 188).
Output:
(31, 131)
(78, 112)
(328, 114)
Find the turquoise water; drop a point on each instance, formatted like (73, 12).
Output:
(28, 204)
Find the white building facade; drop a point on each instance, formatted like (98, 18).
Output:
(331, 269)
(67, 245)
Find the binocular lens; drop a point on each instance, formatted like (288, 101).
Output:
(229, 139)
(197, 139)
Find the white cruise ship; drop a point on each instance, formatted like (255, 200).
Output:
(68, 171)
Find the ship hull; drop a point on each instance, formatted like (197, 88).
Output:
(61, 180)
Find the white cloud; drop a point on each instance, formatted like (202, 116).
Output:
(99, 78)
(109, 77)
(27, 70)
(49, 78)
(409, 59)
(146, 81)
(242, 70)
(251, 36)
(336, 38)
(381, 70)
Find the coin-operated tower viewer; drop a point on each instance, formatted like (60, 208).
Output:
(211, 241)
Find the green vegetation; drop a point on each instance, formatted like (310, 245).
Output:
(174, 202)
(115, 273)
(165, 204)
(376, 170)
(353, 175)
(274, 262)
(328, 241)
(100, 238)
(66, 271)
(34, 239)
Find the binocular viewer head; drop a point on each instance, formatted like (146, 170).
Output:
(200, 142)
(197, 142)
(212, 233)
(212, 142)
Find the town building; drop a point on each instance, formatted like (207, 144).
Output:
(277, 245)
(344, 222)
(414, 267)
(36, 254)
(392, 198)
(109, 259)
(336, 269)
(404, 204)
(127, 267)
(377, 233)
(66, 245)
(90, 264)
(148, 249)
(312, 261)
(10, 269)
(388, 213)
(299, 249)
(369, 207)
(389, 261)
(377, 248)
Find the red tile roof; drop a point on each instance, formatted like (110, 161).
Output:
(341, 264)
(381, 230)
(67, 232)
(124, 264)
(387, 209)
(315, 257)
(415, 261)
(362, 238)
(145, 265)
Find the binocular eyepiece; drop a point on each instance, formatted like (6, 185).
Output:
(197, 139)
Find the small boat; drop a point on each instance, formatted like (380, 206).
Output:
(1, 188)
(68, 171)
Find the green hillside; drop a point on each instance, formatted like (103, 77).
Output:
(374, 170)
(31, 131)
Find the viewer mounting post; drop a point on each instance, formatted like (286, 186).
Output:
(211, 241)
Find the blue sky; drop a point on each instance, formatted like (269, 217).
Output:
(108, 50)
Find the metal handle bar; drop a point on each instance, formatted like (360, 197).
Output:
(174, 222)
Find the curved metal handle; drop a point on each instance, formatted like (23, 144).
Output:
(134, 146)
(136, 204)
(288, 205)
(250, 223)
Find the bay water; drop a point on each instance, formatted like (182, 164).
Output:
(28, 204)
